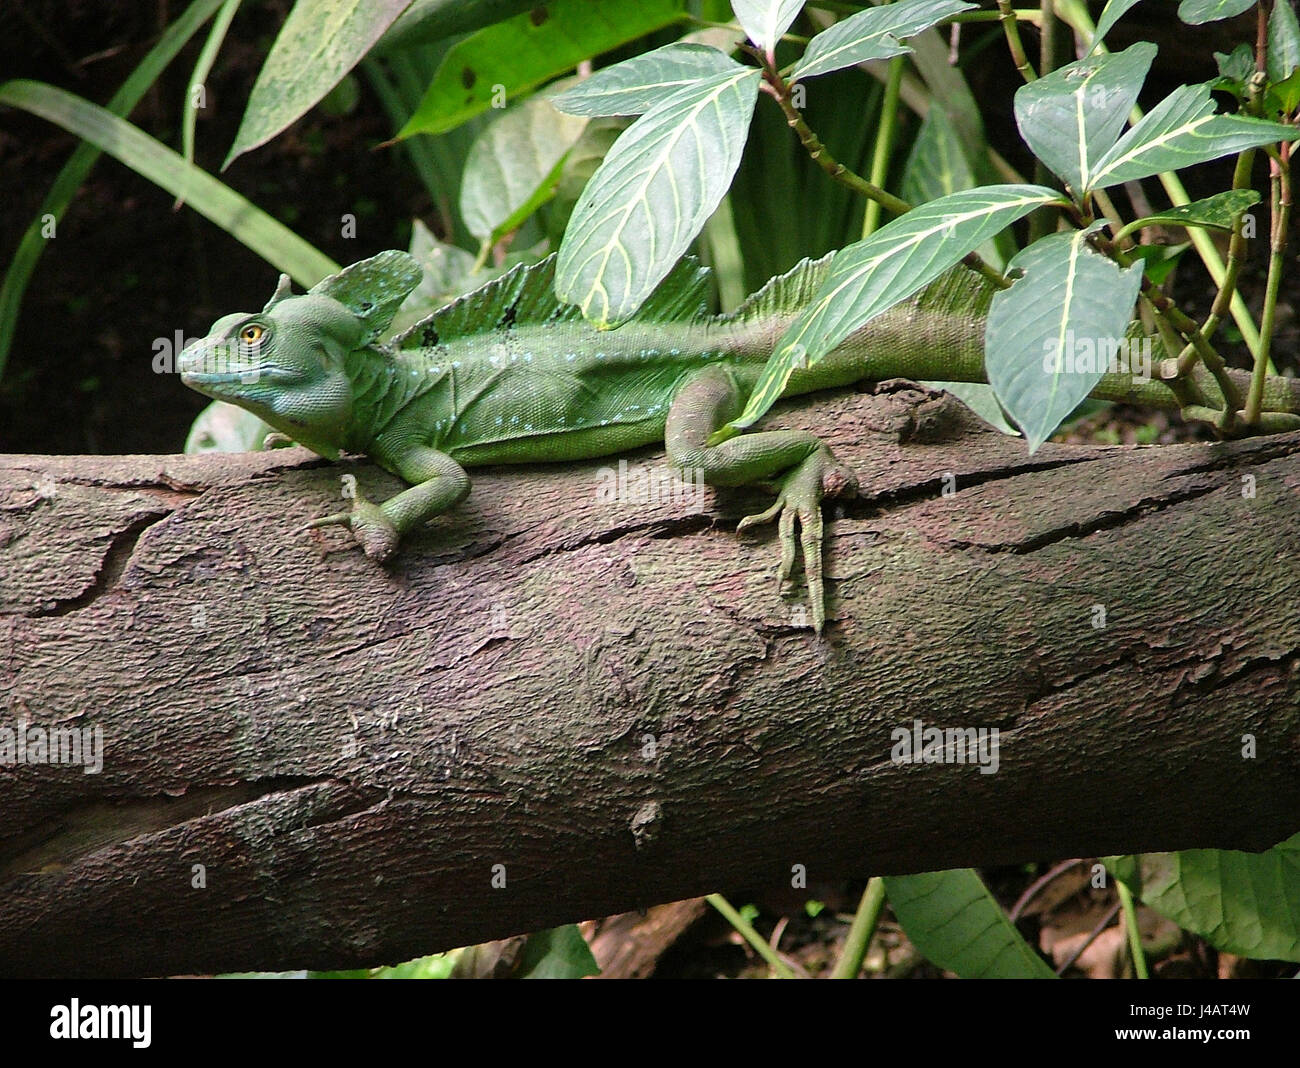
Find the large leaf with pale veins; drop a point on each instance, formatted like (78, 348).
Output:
(652, 195)
(1243, 903)
(1073, 116)
(871, 276)
(764, 21)
(1072, 302)
(634, 86)
(320, 42)
(873, 34)
(1180, 131)
(513, 166)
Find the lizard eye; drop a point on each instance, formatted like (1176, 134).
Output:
(252, 333)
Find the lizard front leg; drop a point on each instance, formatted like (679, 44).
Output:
(798, 463)
(438, 484)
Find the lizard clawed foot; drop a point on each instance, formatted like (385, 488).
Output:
(371, 528)
(799, 496)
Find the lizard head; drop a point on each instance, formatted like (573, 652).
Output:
(287, 363)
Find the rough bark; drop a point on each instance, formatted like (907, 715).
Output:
(610, 704)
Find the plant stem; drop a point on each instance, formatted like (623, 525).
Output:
(1236, 257)
(1012, 29)
(747, 932)
(1188, 328)
(863, 927)
(1131, 928)
(1280, 183)
(884, 141)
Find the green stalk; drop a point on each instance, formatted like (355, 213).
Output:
(78, 166)
(747, 932)
(1281, 203)
(202, 68)
(1012, 29)
(863, 927)
(884, 141)
(1131, 928)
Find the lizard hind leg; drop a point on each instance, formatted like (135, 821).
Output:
(797, 463)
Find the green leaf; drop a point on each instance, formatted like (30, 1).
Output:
(1071, 117)
(1216, 212)
(251, 226)
(653, 194)
(521, 53)
(1283, 52)
(872, 276)
(74, 172)
(872, 34)
(1182, 130)
(1114, 11)
(426, 22)
(1234, 70)
(937, 165)
(980, 399)
(202, 68)
(1243, 903)
(1285, 95)
(1159, 260)
(320, 42)
(955, 922)
(764, 21)
(560, 953)
(1199, 12)
(1070, 309)
(637, 84)
(513, 166)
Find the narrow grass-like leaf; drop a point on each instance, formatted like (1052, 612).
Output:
(194, 96)
(652, 195)
(318, 44)
(1199, 12)
(251, 226)
(1180, 131)
(1242, 903)
(637, 84)
(955, 922)
(521, 53)
(513, 165)
(872, 276)
(1111, 14)
(873, 34)
(1073, 116)
(1216, 212)
(74, 172)
(1052, 336)
(764, 21)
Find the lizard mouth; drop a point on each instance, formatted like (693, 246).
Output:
(267, 372)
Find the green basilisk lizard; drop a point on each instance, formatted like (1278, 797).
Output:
(506, 374)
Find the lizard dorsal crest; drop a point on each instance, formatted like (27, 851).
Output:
(372, 289)
(526, 295)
